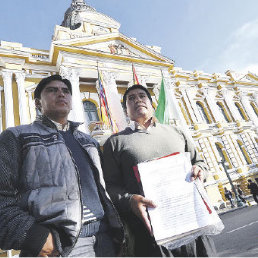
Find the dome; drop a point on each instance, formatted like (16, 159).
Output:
(79, 12)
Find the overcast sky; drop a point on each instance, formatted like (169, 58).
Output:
(208, 35)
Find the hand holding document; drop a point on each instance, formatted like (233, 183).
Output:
(182, 206)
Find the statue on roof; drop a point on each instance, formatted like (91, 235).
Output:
(72, 18)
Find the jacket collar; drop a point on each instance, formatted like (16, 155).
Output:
(47, 122)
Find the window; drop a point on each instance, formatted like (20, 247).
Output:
(254, 108)
(90, 111)
(240, 110)
(202, 112)
(243, 150)
(221, 108)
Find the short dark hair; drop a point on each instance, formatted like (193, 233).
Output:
(135, 86)
(44, 82)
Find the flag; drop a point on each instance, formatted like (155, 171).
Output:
(164, 111)
(160, 111)
(105, 112)
(135, 78)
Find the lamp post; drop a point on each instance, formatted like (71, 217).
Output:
(238, 201)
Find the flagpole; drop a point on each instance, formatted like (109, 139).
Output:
(99, 92)
(162, 75)
(133, 72)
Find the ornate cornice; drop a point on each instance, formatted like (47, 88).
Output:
(7, 75)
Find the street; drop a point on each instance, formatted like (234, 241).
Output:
(240, 236)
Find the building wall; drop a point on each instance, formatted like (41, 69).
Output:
(218, 122)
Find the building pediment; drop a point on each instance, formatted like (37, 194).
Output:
(252, 77)
(118, 48)
(114, 45)
(243, 77)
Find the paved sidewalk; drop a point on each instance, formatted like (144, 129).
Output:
(250, 202)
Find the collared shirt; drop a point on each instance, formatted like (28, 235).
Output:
(136, 126)
(60, 126)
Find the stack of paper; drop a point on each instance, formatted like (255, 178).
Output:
(182, 205)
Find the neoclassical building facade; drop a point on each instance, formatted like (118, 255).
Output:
(218, 111)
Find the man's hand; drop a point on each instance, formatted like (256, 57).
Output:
(197, 172)
(139, 206)
(49, 249)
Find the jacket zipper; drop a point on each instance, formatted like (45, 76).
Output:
(80, 191)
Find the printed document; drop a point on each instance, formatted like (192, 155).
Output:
(182, 205)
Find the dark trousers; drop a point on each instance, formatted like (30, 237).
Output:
(145, 245)
(100, 245)
(203, 246)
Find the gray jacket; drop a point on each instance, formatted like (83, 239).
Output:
(40, 188)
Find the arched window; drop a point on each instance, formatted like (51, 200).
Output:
(202, 112)
(254, 108)
(90, 111)
(222, 155)
(240, 110)
(243, 150)
(222, 110)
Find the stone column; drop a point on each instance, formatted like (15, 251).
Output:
(1, 116)
(31, 104)
(114, 100)
(77, 113)
(20, 78)
(8, 97)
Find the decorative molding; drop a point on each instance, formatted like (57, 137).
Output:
(121, 49)
(7, 76)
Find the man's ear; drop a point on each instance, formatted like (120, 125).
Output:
(38, 104)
